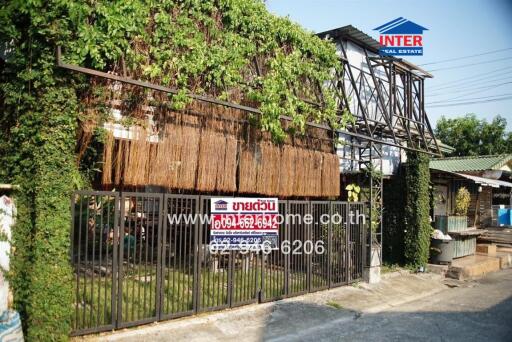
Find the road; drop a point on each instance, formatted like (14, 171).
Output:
(405, 307)
(478, 310)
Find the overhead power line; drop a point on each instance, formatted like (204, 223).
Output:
(467, 81)
(469, 87)
(471, 64)
(470, 102)
(466, 57)
(469, 90)
(472, 99)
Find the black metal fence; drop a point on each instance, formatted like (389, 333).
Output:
(132, 265)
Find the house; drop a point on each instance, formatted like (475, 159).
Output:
(488, 179)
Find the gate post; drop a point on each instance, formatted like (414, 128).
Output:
(371, 163)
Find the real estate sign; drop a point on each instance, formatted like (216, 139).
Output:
(243, 223)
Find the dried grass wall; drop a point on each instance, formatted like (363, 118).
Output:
(203, 153)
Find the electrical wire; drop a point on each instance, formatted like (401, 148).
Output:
(466, 57)
(469, 102)
(474, 80)
(471, 64)
(462, 89)
(473, 98)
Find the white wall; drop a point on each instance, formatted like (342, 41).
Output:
(392, 156)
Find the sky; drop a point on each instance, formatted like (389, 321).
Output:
(457, 30)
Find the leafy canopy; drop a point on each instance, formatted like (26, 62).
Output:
(471, 136)
(231, 49)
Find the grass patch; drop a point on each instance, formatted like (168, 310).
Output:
(334, 305)
(388, 268)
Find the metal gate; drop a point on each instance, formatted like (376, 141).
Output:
(144, 257)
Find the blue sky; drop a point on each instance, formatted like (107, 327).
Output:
(456, 29)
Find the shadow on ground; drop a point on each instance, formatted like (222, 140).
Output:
(459, 322)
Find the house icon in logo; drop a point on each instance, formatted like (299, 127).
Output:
(401, 26)
(221, 205)
(401, 37)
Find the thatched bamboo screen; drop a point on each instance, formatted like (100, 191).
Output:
(208, 161)
(210, 148)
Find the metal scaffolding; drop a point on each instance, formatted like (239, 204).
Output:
(386, 98)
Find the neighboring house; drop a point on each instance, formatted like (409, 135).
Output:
(488, 179)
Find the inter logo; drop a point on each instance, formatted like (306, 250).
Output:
(401, 37)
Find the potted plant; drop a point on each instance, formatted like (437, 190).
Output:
(458, 221)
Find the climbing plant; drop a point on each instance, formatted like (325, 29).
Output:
(230, 49)
(393, 225)
(417, 209)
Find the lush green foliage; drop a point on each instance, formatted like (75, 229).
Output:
(462, 200)
(232, 49)
(393, 225)
(472, 137)
(417, 209)
(202, 46)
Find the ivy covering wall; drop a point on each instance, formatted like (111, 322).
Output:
(407, 208)
(417, 209)
(393, 224)
(230, 49)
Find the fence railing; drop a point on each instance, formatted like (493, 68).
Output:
(132, 265)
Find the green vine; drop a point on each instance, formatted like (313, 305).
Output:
(417, 209)
(230, 49)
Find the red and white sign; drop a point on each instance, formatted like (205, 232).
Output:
(244, 221)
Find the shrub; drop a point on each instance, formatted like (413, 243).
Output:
(462, 201)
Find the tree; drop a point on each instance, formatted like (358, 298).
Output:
(471, 136)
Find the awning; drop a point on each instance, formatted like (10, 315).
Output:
(480, 180)
(486, 181)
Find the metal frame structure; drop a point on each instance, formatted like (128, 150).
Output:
(386, 98)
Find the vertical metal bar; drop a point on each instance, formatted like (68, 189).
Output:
(120, 237)
(348, 239)
(157, 211)
(100, 280)
(196, 282)
(115, 262)
(76, 263)
(329, 246)
(86, 258)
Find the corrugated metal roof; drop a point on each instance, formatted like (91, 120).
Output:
(353, 33)
(478, 163)
(486, 181)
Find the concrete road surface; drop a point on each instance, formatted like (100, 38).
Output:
(403, 307)
(472, 311)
